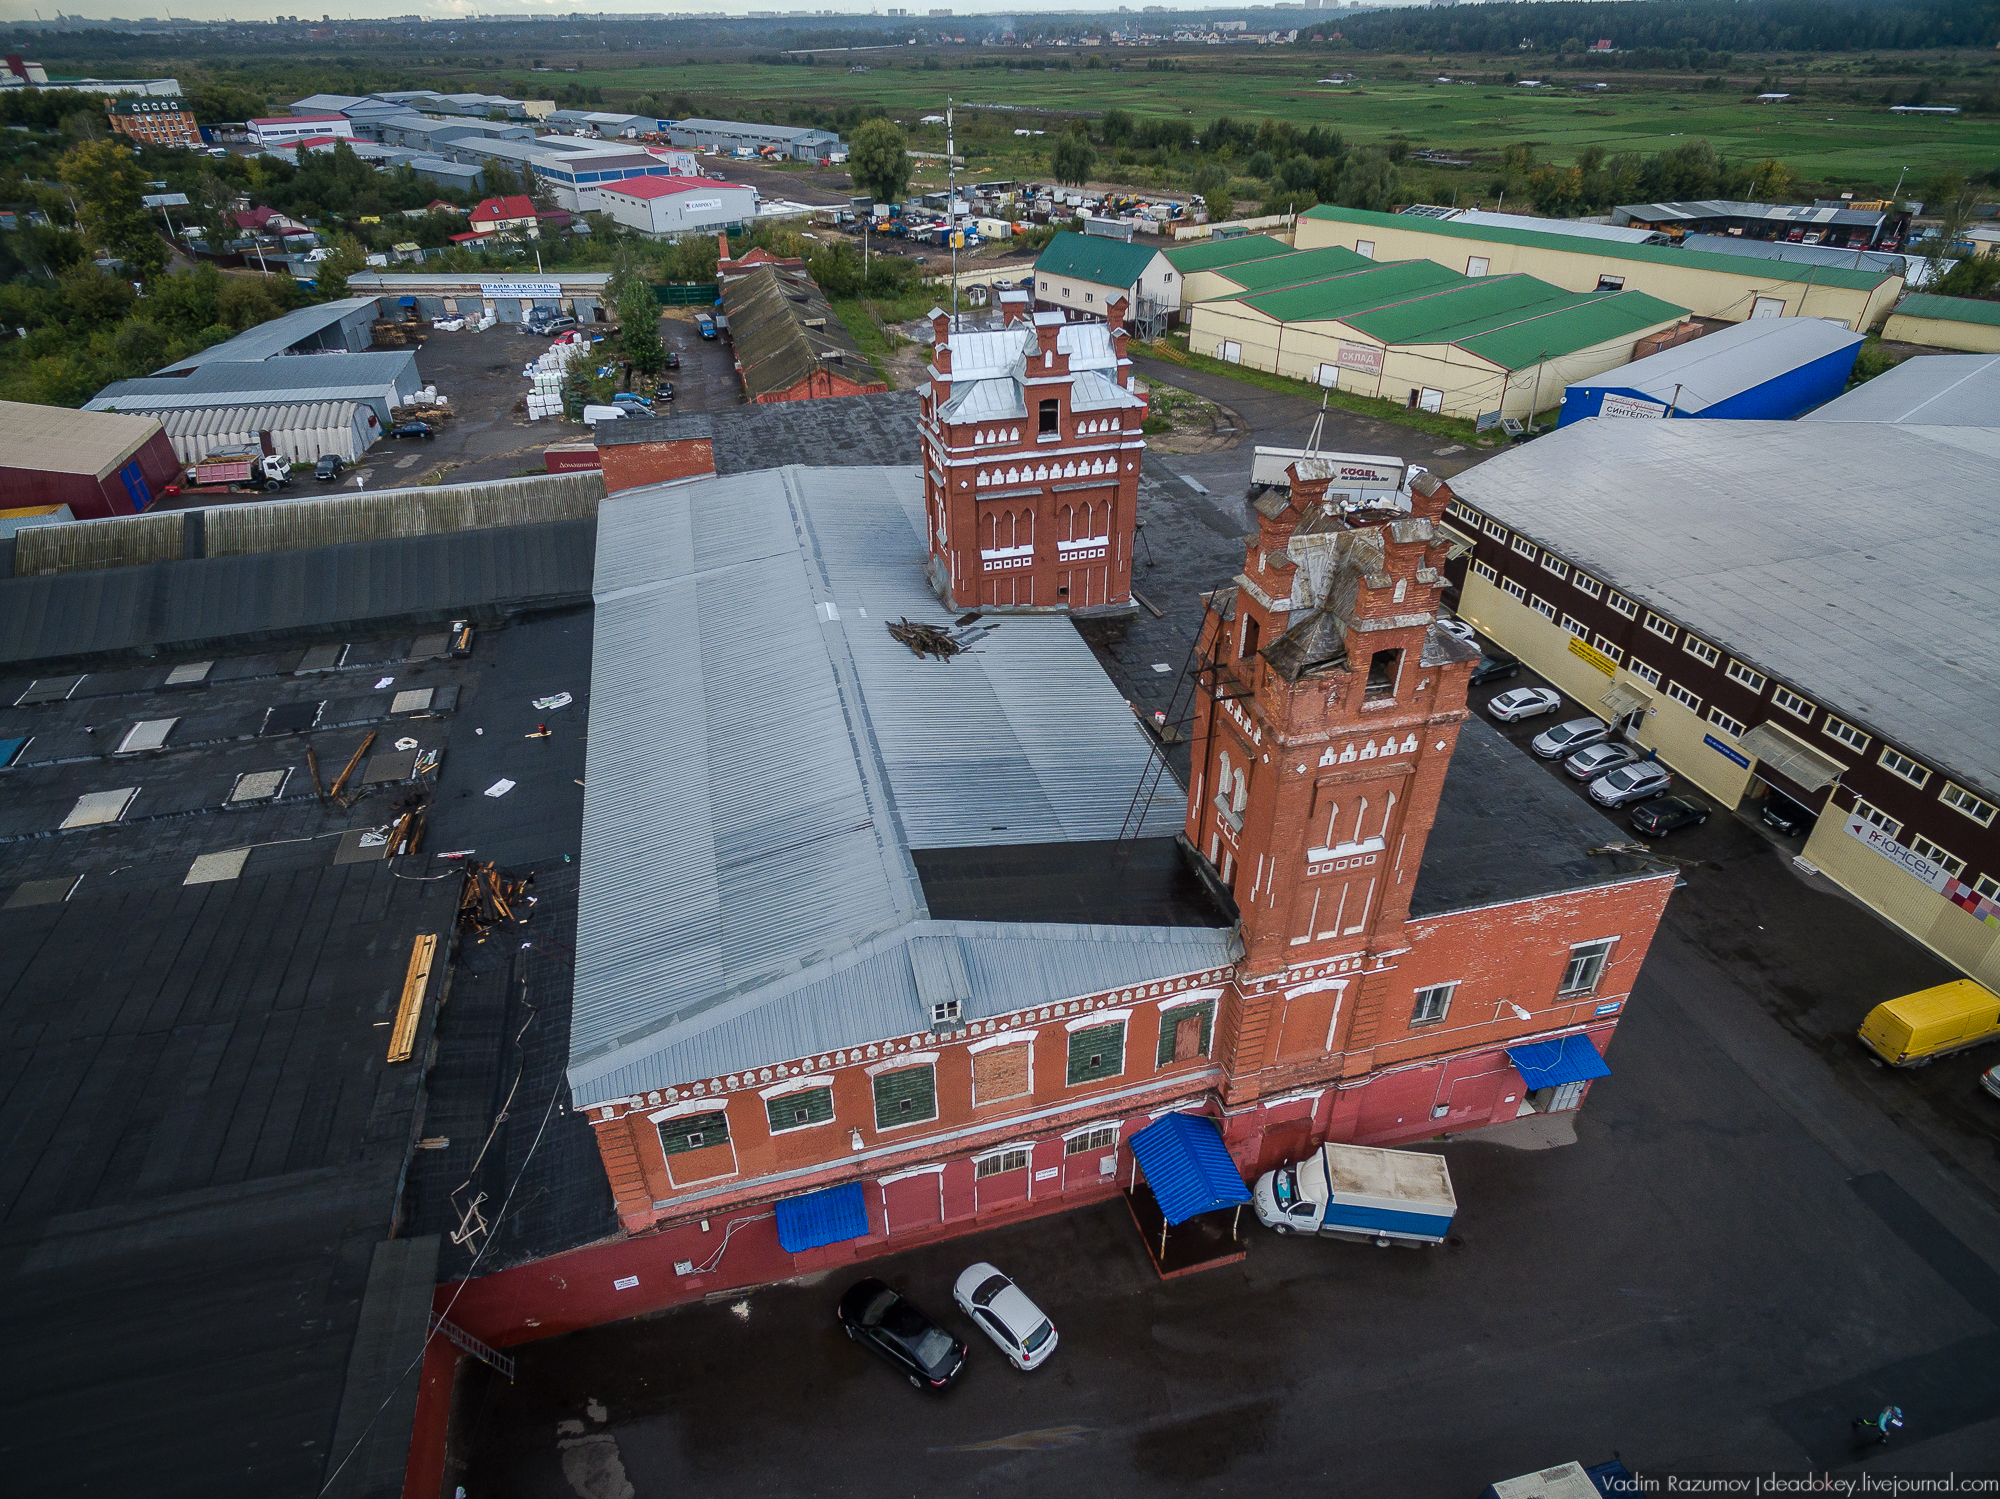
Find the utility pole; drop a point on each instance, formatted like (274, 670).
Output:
(951, 206)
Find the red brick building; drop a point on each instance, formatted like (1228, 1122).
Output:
(155, 122)
(908, 952)
(1031, 454)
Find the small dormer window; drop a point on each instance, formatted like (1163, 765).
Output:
(1049, 417)
(947, 1011)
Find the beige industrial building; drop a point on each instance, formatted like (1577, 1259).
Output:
(1732, 596)
(1728, 287)
(1293, 268)
(1946, 323)
(1418, 333)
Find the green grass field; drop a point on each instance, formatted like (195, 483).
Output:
(1831, 132)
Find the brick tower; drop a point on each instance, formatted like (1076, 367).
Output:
(1320, 755)
(1031, 453)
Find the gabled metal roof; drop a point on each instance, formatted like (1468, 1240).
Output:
(764, 756)
(1741, 356)
(1938, 390)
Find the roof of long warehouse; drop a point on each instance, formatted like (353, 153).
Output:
(1737, 357)
(766, 761)
(1949, 309)
(1212, 254)
(279, 334)
(296, 377)
(1294, 269)
(1771, 540)
(782, 329)
(407, 283)
(1578, 228)
(1936, 390)
(62, 441)
(1776, 213)
(1783, 249)
(1569, 245)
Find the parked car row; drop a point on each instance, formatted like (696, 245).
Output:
(896, 1329)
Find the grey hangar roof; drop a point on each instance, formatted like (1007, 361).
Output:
(295, 377)
(765, 760)
(1858, 562)
(280, 334)
(1935, 390)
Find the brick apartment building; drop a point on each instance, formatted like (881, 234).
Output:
(876, 952)
(155, 122)
(1031, 445)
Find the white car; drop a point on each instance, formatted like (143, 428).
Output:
(1589, 764)
(1524, 702)
(1990, 1081)
(1006, 1316)
(1458, 629)
(1565, 739)
(1631, 783)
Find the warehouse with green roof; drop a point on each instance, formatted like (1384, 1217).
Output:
(1729, 288)
(1946, 323)
(1265, 273)
(1417, 332)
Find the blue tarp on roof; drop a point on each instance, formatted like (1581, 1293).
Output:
(1550, 1064)
(406, 301)
(9, 748)
(829, 1217)
(1187, 1168)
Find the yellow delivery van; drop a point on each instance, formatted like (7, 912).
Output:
(1917, 1028)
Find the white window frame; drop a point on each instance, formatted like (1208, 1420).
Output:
(947, 1012)
(1576, 627)
(1665, 628)
(1588, 586)
(1987, 886)
(1518, 590)
(1643, 672)
(1700, 649)
(1526, 547)
(1494, 529)
(1597, 951)
(997, 1162)
(1724, 722)
(1689, 700)
(1619, 604)
(1434, 998)
(1615, 652)
(1902, 767)
(1874, 816)
(1486, 570)
(1801, 708)
(1966, 804)
(1552, 563)
(1087, 1139)
(1842, 732)
(1746, 677)
(1937, 853)
(1542, 607)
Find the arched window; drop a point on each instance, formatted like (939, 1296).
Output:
(1388, 810)
(1222, 779)
(1332, 816)
(1360, 816)
(1025, 535)
(1239, 797)
(989, 529)
(1066, 522)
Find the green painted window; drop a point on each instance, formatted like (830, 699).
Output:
(908, 1096)
(797, 1110)
(1096, 1051)
(693, 1132)
(1170, 1021)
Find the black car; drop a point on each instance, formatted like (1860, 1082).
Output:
(1783, 815)
(665, 391)
(328, 467)
(414, 429)
(878, 1318)
(673, 360)
(1494, 668)
(1663, 814)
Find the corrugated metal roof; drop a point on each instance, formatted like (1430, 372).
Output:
(764, 756)
(1582, 323)
(1949, 309)
(1772, 540)
(200, 421)
(1485, 218)
(296, 377)
(278, 335)
(1297, 268)
(1211, 254)
(782, 329)
(1187, 1166)
(1094, 258)
(1568, 244)
(1358, 290)
(57, 440)
(1735, 358)
(1937, 390)
(1779, 249)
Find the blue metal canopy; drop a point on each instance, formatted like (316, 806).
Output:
(829, 1217)
(1187, 1167)
(406, 301)
(1550, 1064)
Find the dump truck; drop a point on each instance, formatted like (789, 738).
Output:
(227, 470)
(1362, 1193)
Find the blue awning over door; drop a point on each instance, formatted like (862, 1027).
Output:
(1550, 1064)
(1187, 1167)
(406, 301)
(829, 1217)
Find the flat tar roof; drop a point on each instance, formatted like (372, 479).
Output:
(1935, 390)
(1858, 562)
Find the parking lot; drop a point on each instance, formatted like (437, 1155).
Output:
(1758, 1234)
(486, 437)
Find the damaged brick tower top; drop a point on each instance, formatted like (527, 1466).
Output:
(1031, 449)
(1321, 746)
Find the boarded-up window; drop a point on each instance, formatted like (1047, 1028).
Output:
(908, 1096)
(693, 1132)
(1096, 1051)
(999, 1073)
(797, 1110)
(1188, 1025)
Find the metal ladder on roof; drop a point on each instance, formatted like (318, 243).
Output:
(1178, 714)
(466, 1341)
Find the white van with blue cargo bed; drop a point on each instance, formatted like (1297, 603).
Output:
(1359, 1192)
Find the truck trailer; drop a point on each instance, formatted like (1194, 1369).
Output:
(1362, 1193)
(227, 470)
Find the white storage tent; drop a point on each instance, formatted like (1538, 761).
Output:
(300, 430)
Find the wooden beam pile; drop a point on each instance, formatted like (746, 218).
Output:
(491, 899)
(926, 640)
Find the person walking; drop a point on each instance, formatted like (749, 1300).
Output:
(1874, 1430)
